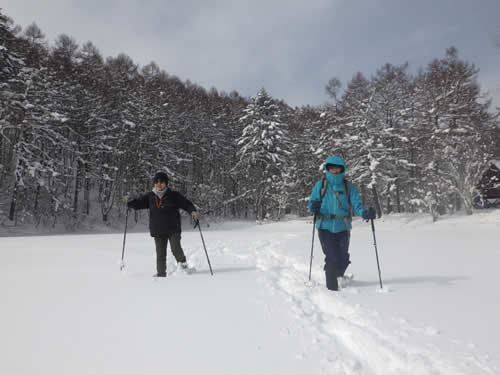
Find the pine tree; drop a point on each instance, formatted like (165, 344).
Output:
(462, 127)
(308, 154)
(263, 154)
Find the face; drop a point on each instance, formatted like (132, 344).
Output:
(335, 169)
(160, 185)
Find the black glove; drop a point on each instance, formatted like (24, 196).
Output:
(369, 213)
(315, 207)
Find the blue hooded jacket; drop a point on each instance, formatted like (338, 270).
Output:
(330, 205)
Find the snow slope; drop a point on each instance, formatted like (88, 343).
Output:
(67, 309)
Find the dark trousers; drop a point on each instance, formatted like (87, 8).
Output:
(336, 249)
(161, 251)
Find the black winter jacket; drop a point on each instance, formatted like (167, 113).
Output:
(164, 217)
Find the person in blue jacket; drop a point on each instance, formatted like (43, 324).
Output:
(329, 203)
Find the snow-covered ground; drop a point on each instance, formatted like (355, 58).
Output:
(67, 309)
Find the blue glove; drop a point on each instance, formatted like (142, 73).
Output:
(315, 207)
(369, 213)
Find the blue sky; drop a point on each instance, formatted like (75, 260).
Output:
(290, 47)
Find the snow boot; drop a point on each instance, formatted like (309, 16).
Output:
(331, 281)
(186, 268)
(340, 283)
(347, 279)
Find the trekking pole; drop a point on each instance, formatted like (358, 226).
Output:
(122, 264)
(376, 253)
(312, 247)
(197, 224)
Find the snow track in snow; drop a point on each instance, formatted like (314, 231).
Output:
(68, 308)
(354, 339)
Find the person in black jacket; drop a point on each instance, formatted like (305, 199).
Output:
(164, 220)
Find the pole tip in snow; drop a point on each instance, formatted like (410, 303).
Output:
(383, 290)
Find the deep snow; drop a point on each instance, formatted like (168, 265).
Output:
(67, 308)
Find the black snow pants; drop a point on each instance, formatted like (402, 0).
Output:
(336, 249)
(161, 251)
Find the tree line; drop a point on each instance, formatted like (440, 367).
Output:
(78, 131)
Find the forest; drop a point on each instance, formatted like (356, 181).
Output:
(78, 131)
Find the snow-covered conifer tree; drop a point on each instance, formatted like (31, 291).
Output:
(462, 127)
(264, 154)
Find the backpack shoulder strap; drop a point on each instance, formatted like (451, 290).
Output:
(322, 192)
(347, 192)
(348, 196)
(324, 187)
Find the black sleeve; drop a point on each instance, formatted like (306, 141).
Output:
(185, 203)
(139, 203)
